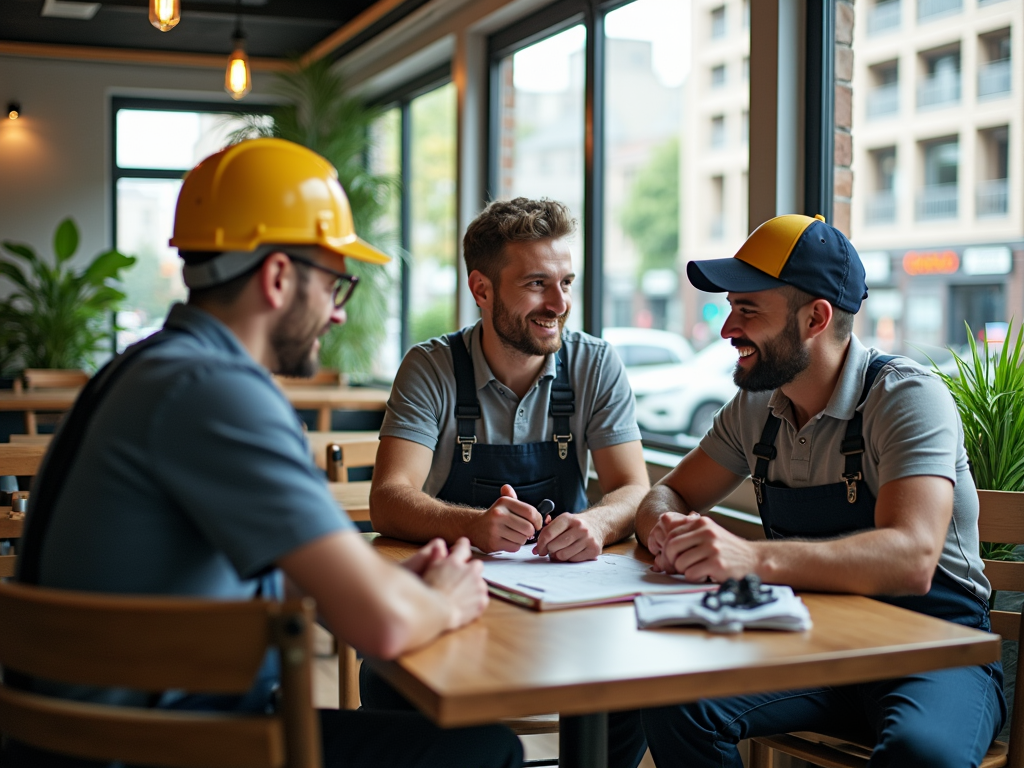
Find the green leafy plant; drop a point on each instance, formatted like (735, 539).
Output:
(321, 114)
(57, 316)
(989, 394)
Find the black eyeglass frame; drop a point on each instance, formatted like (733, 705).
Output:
(341, 296)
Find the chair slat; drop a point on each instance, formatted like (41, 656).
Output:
(1001, 517)
(1006, 624)
(54, 378)
(21, 458)
(134, 642)
(142, 736)
(1005, 574)
(814, 752)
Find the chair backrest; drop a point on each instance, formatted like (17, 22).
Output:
(1001, 519)
(338, 452)
(54, 378)
(18, 460)
(325, 377)
(157, 644)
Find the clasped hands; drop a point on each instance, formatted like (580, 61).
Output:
(507, 524)
(699, 549)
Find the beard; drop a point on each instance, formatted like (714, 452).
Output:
(514, 332)
(294, 339)
(779, 360)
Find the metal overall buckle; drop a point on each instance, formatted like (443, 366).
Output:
(851, 486)
(467, 447)
(757, 481)
(563, 445)
(747, 592)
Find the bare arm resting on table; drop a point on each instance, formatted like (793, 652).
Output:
(399, 508)
(899, 556)
(382, 608)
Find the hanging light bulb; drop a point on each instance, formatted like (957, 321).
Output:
(164, 14)
(238, 77)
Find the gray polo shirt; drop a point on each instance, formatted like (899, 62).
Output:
(422, 403)
(911, 427)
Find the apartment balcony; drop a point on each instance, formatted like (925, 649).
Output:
(994, 78)
(881, 208)
(938, 92)
(937, 201)
(926, 9)
(993, 198)
(884, 17)
(883, 100)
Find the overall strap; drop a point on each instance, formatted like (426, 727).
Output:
(562, 403)
(852, 446)
(765, 451)
(467, 406)
(62, 454)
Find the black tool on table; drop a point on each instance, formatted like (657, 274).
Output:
(747, 592)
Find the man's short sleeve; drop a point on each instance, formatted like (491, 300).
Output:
(228, 450)
(417, 399)
(912, 426)
(613, 418)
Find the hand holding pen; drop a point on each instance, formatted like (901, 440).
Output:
(545, 508)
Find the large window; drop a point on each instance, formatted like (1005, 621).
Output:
(155, 144)
(667, 182)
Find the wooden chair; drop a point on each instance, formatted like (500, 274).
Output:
(17, 460)
(338, 452)
(47, 378)
(1001, 519)
(157, 644)
(325, 377)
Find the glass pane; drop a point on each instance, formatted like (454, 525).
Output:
(145, 218)
(385, 159)
(432, 239)
(934, 211)
(541, 131)
(677, 101)
(170, 140)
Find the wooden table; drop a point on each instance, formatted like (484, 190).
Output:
(354, 498)
(585, 662)
(315, 398)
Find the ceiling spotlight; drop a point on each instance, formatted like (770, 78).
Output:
(164, 14)
(238, 76)
(13, 110)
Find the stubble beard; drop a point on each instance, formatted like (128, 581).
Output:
(294, 338)
(779, 360)
(514, 332)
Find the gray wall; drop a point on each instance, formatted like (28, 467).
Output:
(55, 160)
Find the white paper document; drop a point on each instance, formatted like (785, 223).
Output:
(543, 584)
(786, 612)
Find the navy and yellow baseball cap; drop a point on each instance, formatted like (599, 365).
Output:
(796, 250)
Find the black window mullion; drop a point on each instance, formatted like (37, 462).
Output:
(819, 108)
(405, 216)
(593, 173)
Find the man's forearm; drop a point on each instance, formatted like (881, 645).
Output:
(661, 498)
(885, 561)
(615, 514)
(402, 512)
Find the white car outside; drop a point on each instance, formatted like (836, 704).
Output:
(647, 349)
(684, 398)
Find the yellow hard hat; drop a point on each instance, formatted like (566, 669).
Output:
(264, 192)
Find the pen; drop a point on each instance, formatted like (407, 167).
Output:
(545, 508)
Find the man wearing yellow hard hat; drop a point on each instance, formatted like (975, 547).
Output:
(182, 469)
(862, 483)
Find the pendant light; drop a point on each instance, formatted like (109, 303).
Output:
(164, 14)
(238, 76)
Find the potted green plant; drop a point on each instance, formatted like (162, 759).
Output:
(59, 316)
(321, 114)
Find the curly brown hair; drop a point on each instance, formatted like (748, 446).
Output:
(507, 221)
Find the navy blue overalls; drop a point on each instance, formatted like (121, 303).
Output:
(931, 711)
(544, 470)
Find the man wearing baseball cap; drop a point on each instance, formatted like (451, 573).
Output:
(862, 484)
(182, 469)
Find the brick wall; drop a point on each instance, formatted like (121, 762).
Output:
(843, 180)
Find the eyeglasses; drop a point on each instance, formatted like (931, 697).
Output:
(343, 286)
